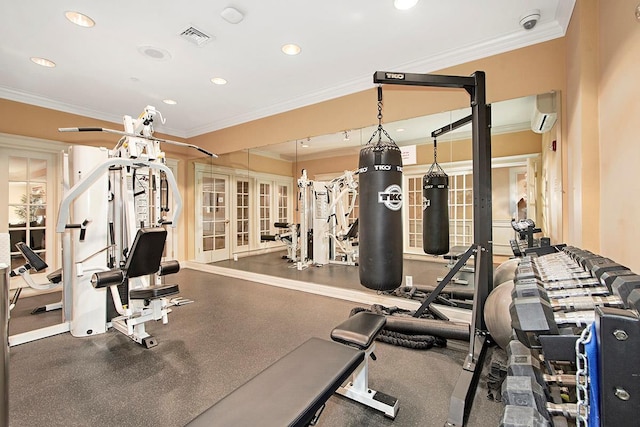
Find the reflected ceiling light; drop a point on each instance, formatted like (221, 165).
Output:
(400, 130)
(404, 4)
(291, 49)
(218, 81)
(79, 19)
(169, 101)
(43, 62)
(154, 53)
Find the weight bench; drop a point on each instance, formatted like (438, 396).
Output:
(294, 389)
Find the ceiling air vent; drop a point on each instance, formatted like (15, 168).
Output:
(195, 36)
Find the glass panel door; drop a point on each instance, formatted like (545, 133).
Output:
(213, 211)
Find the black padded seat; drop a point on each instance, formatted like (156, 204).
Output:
(55, 276)
(289, 392)
(360, 330)
(154, 292)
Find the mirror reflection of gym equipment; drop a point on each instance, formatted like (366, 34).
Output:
(565, 318)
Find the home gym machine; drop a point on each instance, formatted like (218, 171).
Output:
(464, 390)
(325, 234)
(113, 217)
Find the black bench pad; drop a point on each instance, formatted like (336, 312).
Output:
(360, 330)
(290, 391)
(154, 292)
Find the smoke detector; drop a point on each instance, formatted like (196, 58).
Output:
(232, 15)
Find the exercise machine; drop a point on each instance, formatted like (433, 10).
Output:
(112, 218)
(290, 238)
(326, 235)
(35, 263)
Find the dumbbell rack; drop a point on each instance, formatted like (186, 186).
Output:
(597, 345)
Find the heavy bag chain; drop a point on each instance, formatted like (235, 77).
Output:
(435, 170)
(380, 130)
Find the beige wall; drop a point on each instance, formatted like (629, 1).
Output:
(526, 71)
(549, 180)
(503, 145)
(582, 127)
(619, 142)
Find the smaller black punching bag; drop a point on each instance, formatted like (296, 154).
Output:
(435, 212)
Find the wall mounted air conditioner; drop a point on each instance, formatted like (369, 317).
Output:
(545, 113)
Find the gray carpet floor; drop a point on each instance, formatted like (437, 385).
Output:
(232, 331)
(339, 275)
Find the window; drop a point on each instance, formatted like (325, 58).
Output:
(264, 207)
(283, 203)
(213, 213)
(461, 209)
(27, 205)
(414, 212)
(242, 213)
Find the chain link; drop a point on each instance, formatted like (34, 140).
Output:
(380, 131)
(582, 377)
(435, 151)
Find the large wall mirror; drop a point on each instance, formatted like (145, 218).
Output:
(245, 198)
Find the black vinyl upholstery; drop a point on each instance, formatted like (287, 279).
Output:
(359, 330)
(145, 253)
(289, 392)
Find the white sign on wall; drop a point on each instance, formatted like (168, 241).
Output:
(409, 155)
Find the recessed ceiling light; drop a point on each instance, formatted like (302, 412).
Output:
(79, 19)
(291, 49)
(305, 145)
(154, 53)
(404, 4)
(169, 101)
(43, 62)
(218, 81)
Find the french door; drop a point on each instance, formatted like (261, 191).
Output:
(212, 217)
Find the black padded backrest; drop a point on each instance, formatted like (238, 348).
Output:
(353, 230)
(146, 252)
(32, 258)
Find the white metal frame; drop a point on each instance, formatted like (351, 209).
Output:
(357, 388)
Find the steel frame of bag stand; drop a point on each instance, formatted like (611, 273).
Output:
(465, 388)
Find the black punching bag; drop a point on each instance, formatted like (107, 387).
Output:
(435, 213)
(380, 216)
